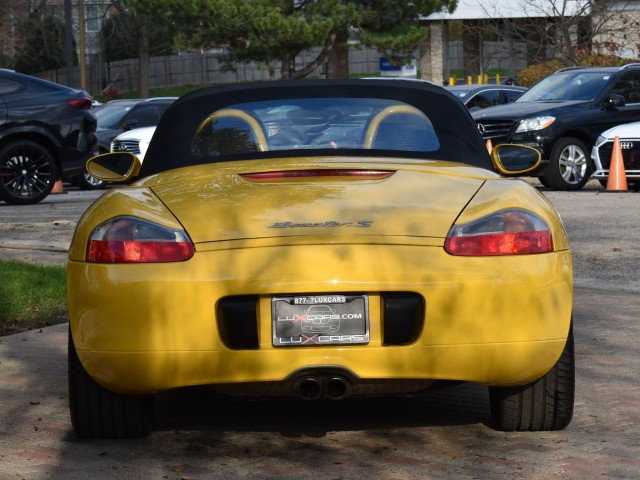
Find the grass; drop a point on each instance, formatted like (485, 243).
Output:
(31, 296)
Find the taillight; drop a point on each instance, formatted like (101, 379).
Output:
(301, 174)
(81, 103)
(507, 232)
(133, 240)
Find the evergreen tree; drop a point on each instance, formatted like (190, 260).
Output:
(271, 31)
(42, 44)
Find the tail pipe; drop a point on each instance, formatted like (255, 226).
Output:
(309, 388)
(336, 388)
(312, 387)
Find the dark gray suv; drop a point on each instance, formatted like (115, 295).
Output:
(47, 131)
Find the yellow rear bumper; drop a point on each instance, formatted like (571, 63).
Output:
(494, 320)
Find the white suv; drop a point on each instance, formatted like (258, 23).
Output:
(135, 141)
(629, 135)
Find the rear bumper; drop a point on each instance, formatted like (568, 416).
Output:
(145, 328)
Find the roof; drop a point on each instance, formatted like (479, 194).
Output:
(481, 9)
(172, 144)
(484, 86)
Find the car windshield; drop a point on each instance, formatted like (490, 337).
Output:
(460, 92)
(109, 116)
(570, 85)
(315, 123)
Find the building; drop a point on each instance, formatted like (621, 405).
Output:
(513, 34)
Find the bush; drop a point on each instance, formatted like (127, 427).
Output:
(535, 73)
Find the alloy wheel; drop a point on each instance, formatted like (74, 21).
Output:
(573, 164)
(27, 173)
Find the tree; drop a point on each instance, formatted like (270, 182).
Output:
(271, 31)
(39, 43)
(121, 33)
(391, 26)
(8, 35)
(267, 31)
(139, 31)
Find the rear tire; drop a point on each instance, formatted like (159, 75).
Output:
(27, 172)
(546, 404)
(99, 413)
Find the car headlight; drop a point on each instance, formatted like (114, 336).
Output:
(507, 232)
(537, 123)
(134, 240)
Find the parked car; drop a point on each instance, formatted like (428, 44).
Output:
(629, 136)
(46, 131)
(118, 116)
(350, 202)
(563, 115)
(476, 97)
(135, 141)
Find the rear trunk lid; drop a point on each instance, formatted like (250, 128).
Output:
(224, 203)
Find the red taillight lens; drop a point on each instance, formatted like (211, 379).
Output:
(133, 240)
(81, 103)
(301, 174)
(507, 232)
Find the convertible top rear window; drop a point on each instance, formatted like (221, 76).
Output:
(314, 123)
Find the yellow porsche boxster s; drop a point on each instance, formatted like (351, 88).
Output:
(319, 240)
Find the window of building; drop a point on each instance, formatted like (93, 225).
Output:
(91, 19)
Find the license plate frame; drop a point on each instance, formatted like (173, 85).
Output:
(320, 320)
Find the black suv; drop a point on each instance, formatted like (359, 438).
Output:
(46, 131)
(562, 116)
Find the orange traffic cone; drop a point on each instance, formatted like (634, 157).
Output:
(489, 145)
(617, 180)
(57, 187)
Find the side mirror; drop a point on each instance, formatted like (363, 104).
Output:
(614, 100)
(116, 167)
(514, 160)
(131, 124)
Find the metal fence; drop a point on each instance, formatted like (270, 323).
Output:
(206, 68)
(199, 69)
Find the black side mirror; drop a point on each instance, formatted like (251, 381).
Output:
(614, 100)
(131, 124)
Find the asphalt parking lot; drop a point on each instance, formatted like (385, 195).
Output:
(443, 435)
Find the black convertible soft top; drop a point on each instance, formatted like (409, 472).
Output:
(460, 140)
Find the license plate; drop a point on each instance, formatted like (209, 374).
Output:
(312, 320)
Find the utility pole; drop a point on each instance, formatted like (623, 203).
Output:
(83, 69)
(68, 42)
